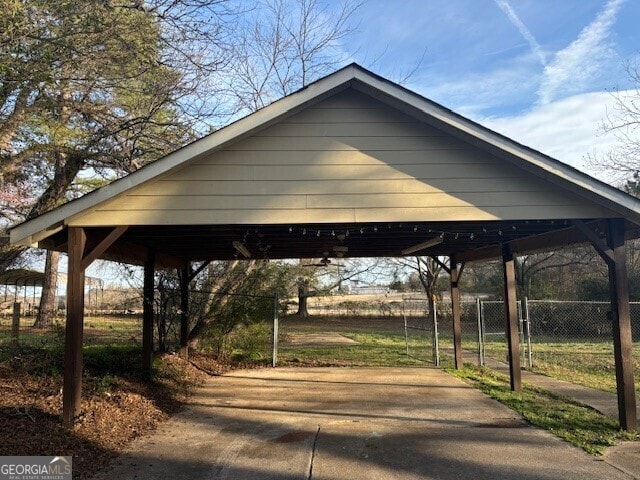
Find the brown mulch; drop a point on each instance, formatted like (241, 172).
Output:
(115, 408)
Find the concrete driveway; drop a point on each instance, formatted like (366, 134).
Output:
(350, 423)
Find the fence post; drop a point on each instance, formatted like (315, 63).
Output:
(483, 333)
(528, 331)
(275, 330)
(15, 328)
(523, 346)
(480, 339)
(406, 335)
(436, 345)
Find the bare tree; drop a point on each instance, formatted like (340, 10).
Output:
(285, 46)
(317, 278)
(623, 161)
(428, 270)
(529, 268)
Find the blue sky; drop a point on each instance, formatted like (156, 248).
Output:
(539, 71)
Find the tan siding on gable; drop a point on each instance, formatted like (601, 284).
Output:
(347, 159)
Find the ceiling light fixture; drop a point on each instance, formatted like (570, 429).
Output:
(422, 246)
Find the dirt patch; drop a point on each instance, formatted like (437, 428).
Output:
(325, 338)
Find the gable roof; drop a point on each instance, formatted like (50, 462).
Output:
(360, 79)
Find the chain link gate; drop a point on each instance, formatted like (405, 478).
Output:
(420, 329)
(492, 340)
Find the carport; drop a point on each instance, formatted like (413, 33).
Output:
(352, 165)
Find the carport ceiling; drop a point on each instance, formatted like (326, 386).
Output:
(468, 240)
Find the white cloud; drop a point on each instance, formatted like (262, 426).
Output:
(567, 129)
(575, 66)
(475, 93)
(522, 28)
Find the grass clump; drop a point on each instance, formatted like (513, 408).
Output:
(575, 423)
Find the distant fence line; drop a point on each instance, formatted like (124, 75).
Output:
(114, 316)
(542, 323)
(482, 320)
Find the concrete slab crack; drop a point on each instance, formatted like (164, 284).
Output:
(313, 453)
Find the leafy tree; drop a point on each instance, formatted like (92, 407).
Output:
(94, 87)
(85, 88)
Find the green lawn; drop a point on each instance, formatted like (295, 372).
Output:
(97, 330)
(590, 364)
(372, 350)
(582, 426)
(381, 342)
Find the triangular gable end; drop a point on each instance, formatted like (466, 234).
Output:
(351, 147)
(349, 158)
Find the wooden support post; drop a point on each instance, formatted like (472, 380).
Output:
(72, 386)
(147, 312)
(621, 319)
(184, 310)
(511, 318)
(455, 272)
(15, 328)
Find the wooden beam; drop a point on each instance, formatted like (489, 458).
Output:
(621, 322)
(601, 246)
(443, 265)
(542, 242)
(194, 274)
(185, 279)
(147, 312)
(489, 252)
(103, 246)
(511, 318)
(135, 254)
(72, 384)
(455, 312)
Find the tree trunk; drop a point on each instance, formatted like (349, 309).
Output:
(47, 309)
(303, 297)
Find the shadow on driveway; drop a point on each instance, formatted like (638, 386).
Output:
(350, 423)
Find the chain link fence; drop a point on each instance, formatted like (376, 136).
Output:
(112, 316)
(420, 330)
(492, 341)
(236, 325)
(570, 340)
(351, 330)
(551, 329)
(566, 339)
